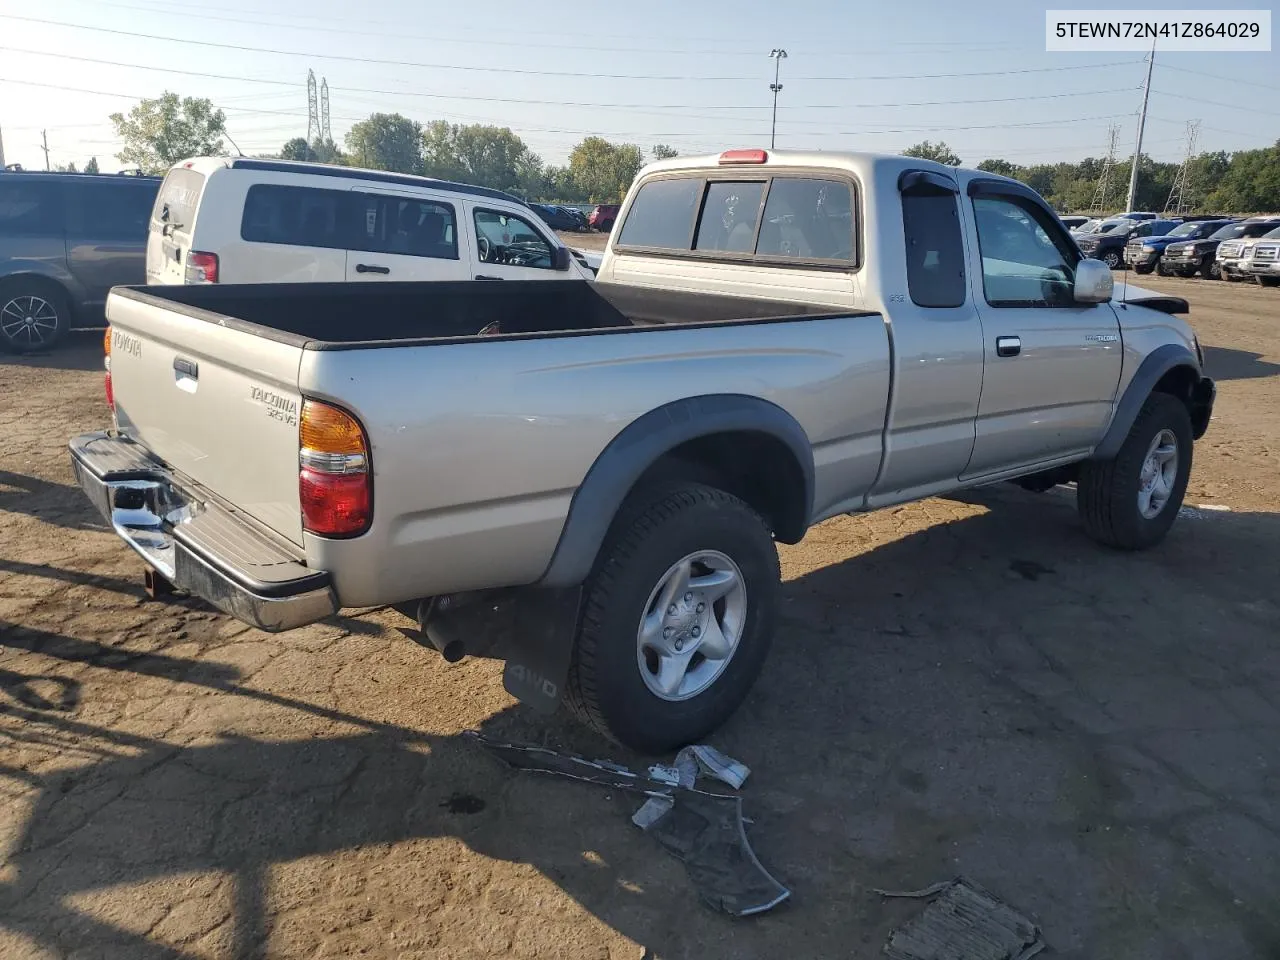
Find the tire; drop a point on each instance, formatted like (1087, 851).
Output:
(1143, 270)
(34, 314)
(613, 674)
(606, 226)
(1211, 271)
(1164, 271)
(1108, 493)
(1112, 259)
(1267, 281)
(1229, 277)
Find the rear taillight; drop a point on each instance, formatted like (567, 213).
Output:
(106, 363)
(333, 475)
(202, 267)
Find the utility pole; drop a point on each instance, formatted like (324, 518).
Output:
(1103, 191)
(325, 133)
(1, 151)
(44, 145)
(778, 55)
(1142, 122)
(313, 110)
(1180, 196)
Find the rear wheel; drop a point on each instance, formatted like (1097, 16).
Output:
(1142, 269)
(34, 313)
(677, 618)
(606, 226)
(1210, 270)
(1131, 502)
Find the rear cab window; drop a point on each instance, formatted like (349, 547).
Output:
(774, 218)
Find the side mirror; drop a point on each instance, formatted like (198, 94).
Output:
(1094, 282)
(560, 260)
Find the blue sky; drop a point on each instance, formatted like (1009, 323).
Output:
(858, 76)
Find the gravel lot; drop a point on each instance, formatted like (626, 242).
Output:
(963, 685)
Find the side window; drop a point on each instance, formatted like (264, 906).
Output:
(405, 226)
(934, 247)
(109, 211)
(808, 219)
(662, 215)
(296, 216)
(1021, 263)
(730, 215)
(30, 209)
(504, 238)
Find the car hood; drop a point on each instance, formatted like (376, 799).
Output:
(1125, 292)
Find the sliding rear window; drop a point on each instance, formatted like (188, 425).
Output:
(783, 218)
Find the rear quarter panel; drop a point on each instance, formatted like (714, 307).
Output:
(477, 448)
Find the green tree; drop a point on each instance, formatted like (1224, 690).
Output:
(158, 133)
(91, 166)
(297, 149)
(603, 171)
(69, 168)
(386, 141)
(662, 151)
(1250, 184)
(939, 152)
(327, 151)
(482, 155)
(1001, 168)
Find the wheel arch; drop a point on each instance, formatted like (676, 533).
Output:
(744, 445)
(1170, 368)
(41, 273)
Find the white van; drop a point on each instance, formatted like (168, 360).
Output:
(242, 220)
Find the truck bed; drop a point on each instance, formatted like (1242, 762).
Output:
(324, 316)
(478, 444)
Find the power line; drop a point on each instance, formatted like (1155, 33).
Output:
(1217, 76)
(489, 41)
(579, 103)
(544, 73)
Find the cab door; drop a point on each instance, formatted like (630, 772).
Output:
(403, 235)
(507, 246)
(1051, 366)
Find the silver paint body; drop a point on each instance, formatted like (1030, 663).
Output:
(478, 447)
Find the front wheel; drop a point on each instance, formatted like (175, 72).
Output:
(677, 618)
(1131, 502)
(1143, 269)
(1211, 271)
(1112, 260)
(1266, 281)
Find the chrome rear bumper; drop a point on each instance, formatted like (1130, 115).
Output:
(196, 543)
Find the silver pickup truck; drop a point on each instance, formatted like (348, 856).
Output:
(586, 479)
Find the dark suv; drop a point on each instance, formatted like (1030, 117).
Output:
(65, 240)
(1109, 247)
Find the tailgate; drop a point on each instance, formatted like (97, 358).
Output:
(218, 403)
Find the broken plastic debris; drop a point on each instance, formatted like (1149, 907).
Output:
(704, 830)
(964, 921)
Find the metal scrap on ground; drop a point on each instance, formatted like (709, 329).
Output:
(964, 921)
(703, 830)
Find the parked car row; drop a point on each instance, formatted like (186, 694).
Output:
(66, 239)
(1228, 248)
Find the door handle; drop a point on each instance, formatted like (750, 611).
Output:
(1008, 346)
(187, 367)
(482, 277)
(371, 268)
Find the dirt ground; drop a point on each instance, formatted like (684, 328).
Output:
(961, 686)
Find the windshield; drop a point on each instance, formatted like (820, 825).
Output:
(1272, 235)
(1110, 225)
(1186, 230)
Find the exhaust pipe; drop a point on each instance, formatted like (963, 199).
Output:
(437, 627)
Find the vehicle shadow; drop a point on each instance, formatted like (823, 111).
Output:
(77, 350)
(985, 628)
(1226, 363)
(57, 503)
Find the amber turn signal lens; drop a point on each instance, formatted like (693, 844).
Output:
(327, 429)
(106, 342)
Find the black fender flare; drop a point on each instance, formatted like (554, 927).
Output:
(1159, 362)
(640, 444)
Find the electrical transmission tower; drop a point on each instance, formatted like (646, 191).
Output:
(1102, 193)
(313, 111)
(325, 134)
(1180, 197)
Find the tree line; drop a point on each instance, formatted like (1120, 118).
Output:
(1246, 181)
(158, 132)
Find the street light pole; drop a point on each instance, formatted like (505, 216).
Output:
(778, 55)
